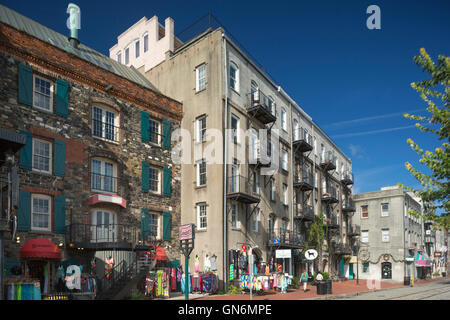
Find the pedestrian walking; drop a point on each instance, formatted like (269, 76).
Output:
(304, 280)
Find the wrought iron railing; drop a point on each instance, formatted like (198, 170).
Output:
(347, 176)
(260, 153)
(301, 134)
(259, 99)
(329, 192)
(353, 229)
(304, 176)
(328, 158)
(105, 130)
(241, 184)
(330, 219)
(284, 236)
(305, 211)
(101, 182)
(349, 204)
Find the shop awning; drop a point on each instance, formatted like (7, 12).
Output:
(40, 248)
(422, 260)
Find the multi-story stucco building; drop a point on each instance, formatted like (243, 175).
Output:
(392, 240)
(90, 181)
(267, 198)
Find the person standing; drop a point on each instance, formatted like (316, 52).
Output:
(304, 280)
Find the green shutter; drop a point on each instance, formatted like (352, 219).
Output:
(24, 212)
(25, 85)
(144, 223)
(59, 158)
(145, 176)
(26, 153)
(145, 130)
(167, 181)
(59, 225)
(62, 98)
(167, 224)
(166, 125)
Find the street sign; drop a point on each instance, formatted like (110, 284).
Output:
(311, 254)
(283, 254)
(187, 232)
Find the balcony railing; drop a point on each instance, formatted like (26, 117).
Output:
(101, 182)
(106, 236)
(260, 155)
(348, 206)
(284, 237)
(331, 220)
(328, 161)
(304, 180)
(342, 248)
(105, 130)
(261, 107)
(241, 189)
(329, 194)
(302, 140)
(347, 178)
(353, 230)
(5, 211)
(305, 212)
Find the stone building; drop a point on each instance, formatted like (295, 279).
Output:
(91, 179)
(290, 171)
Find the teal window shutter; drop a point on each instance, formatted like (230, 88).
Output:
(25, 85)
(24, 212)
(62, 98)
(167, 225)
(145, 176)
(145, 129)
(59, 158)
(144, 223)
(26, 153)
(59, 224)
(166, 129)
(167, 182)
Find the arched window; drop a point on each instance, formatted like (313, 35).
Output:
(234, 76)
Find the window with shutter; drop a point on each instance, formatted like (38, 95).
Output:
(167, 224)
(166, 125)
(62, 97)
(25, 85)
(24, 211)
(167, 182)
(60, 215)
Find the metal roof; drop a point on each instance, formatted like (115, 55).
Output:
(22, 23)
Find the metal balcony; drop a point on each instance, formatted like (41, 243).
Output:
(342, 249)
(285, 238)
(104, 183)
(348, 206)
(347, 178)
(328, 161)
(259, 155)
(329, 195)
(260, 107)
(353, 230)
(304, 213)
(240, 189)
(302, 140)
(304, 180)
(331, 221)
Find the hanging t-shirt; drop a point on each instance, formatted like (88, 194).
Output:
(213, 263)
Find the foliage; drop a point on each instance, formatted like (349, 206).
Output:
(234, 290)
(326, 276)
(436, 274)
(436, 93)
(316, 233)
(294, 281)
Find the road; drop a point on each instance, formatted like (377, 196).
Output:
(438, 290)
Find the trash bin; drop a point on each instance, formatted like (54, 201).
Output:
(444, 274)
(321, 287)
(407, 281)
(329, 286)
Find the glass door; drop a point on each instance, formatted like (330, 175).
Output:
(103, 226)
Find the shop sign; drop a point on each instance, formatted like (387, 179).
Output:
(311, 254)
(283, 254)
(438, 254)
(187, 232)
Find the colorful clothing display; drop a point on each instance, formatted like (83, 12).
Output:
(109, 265)
(23, 290)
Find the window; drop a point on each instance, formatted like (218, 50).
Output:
(365, 236)
(255, 219)
(385, 235)
(271, 226)
(283, 119)
(272, 189)
(119, 57)
(364, 211)
(284, 160)
(154, 183)
(254, 93)
(42, 94)
(136, 45)
(201, 128)
(127, 55)
(145, 42)
(103, 226)
(201, 173)
(385, 209)
(235, 128)
(365, 267)
(296, 130)
(155, 131)
(271, 105)
(104, 124)
(41, 212)
(234, 76)
(201, 216)
(42, 156)
(284, 225)
(256, 183)
(234, 216)
(104, 176)
(285, 195)
(200, 76)
(153, 224)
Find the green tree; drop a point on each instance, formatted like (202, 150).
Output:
(436, 93)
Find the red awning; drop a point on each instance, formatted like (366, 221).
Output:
(40, 248)
(161, 254)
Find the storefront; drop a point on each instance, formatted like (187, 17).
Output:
(423, 265)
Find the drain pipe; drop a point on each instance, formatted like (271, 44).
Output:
(225, 164)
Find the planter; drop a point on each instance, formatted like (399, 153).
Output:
(321, 287)
(444, 274)
(407, 281)
(329, 286)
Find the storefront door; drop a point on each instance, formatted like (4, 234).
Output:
(386, 270)
(350, 272)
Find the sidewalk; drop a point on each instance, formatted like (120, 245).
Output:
(341, 289)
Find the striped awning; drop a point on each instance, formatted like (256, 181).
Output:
(422, 260)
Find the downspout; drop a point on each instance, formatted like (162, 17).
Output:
(225, 164)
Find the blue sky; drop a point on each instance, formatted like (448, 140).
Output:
(354, 82)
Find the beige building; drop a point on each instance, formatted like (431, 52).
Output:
(267, 198)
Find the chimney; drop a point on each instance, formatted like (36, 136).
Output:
(74, 23)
